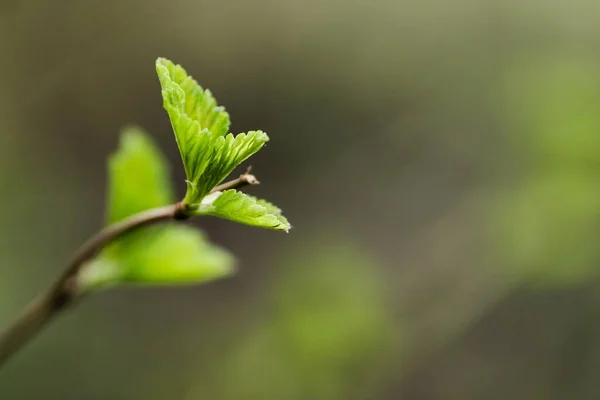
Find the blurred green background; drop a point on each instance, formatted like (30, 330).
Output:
(439, 160)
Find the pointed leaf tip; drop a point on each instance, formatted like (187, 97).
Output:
(138, 176)
(240, 207)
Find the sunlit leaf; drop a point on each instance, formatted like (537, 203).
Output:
(240, 207)
(208, 152)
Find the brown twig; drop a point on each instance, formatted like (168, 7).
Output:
(65, 289)
(245, 179)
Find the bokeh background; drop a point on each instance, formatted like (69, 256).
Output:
(440, 161)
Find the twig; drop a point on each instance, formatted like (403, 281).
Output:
(65, 291)
(245, 179)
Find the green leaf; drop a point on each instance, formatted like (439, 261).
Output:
(175, 254)
(208, 152)
(240, 207)
(164, 254)
(214, 165)
(178, 254)
(138, 176)
(183, 94)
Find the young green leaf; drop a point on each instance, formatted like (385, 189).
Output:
(240, 207)
(177, 255)
(216, 163)
(171, 255)
(208, 152)
(183, 94)
(138, 177)
(166, 254)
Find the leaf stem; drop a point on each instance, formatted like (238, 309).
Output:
(65, 289)
(245, 179)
